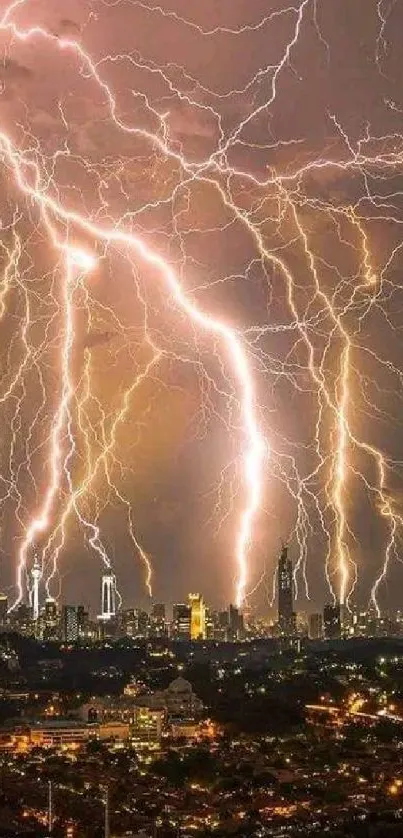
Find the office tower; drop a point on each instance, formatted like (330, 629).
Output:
(359, 624)
(210, 624)
(158, 624)
(50, 610)
(147, 727)
(107, 830)
(181, 622)
(143, 623)
(108, 595)
(3, 608)
(286, 616)
(332, 621)
(50, 620)
(129, 622)
(221, 628)
(21, 620)
(74, 618)
(315, 626)
(235, 623)
(197, 617)
(36, 574)
(158, 611)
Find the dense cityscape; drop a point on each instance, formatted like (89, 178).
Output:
(201, 387)
(133, 724)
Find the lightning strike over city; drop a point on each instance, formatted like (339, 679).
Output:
(200, 300)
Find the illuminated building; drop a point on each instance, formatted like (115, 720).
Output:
(21, 620)
(210, 627)
(134, 622)
(59, 734)
(3, 608)
(221, 625)
(36, 574)
(286, 616)
(332, 621)
(178, 700)
(181, 623)
(143, 623)
(197, 617)
(360, 624)
(158, 625)
(108, 595)
(147, 727)
(113, 730)
(235, 623)
(186, 729)
(128, 622)
(315, 630)
(73, 622)
(50, 610)
(50, 620)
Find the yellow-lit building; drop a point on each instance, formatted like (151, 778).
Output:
(63, 735)
(198, 617)
(146, 731)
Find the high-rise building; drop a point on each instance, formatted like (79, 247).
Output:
(210, 624)
(197, 617)
(108, 595)
(3, 608)
(181, 622)
(221, 628)
(158, 623)
(158, 611)
(74, 618)
(36, 574)
(50, 610)
(332, 621)
(50, 620)
(21, 620)
(147, 727)
(143, 623)
(235, 623)
(286, 616)
(315, 630)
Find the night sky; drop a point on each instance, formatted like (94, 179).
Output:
(257, 147)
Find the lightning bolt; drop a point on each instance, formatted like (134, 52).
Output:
(286, 225)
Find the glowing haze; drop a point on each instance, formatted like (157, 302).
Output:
(199, 297)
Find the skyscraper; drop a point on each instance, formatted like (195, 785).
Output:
(286, 615)
(3, 608)
(108, 595)
(50, 619)
(235, 623)
(197, 617)
(36, 574)
(315, 626)
(332, 621)
(73, 622)
(158, 624)
(181, 622)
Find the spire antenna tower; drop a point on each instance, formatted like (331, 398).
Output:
(107, 832)
(50, 808)
(36, 574)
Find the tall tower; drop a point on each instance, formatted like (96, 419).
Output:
(108, 595)
(197, 617)
(286, 616)
(36, 574)
(107, 830)
(50, 808)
